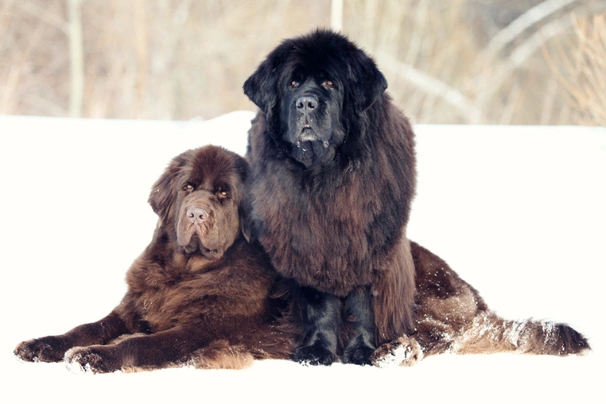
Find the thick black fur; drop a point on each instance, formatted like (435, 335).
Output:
(320, 315)
(333, 176)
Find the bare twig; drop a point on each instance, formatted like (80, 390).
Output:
(44, 15)
(531, 17)
(76, 96)
(490, 83)
(9, 95)
(142, 57)
(336, 15)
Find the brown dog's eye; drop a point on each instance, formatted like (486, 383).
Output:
(328, 84)
(222, 194)
(188, 187)
(294, 84)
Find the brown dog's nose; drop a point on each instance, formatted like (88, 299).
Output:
(196, 215)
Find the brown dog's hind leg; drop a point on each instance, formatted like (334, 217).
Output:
(404, 351)
(490, 334)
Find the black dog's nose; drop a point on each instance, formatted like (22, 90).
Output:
(307, 103)
(196, 215)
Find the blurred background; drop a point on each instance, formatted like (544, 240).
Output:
(528, 62)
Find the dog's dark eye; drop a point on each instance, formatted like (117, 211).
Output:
(188, 187)
(327, 84)
(222, 194)
(294, 84)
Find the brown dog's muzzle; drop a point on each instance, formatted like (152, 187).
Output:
(196, 215)
(205, 225)
(196, 227)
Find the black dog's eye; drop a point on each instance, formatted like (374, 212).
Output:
(188, 187)
(327, 84)
(294, 84)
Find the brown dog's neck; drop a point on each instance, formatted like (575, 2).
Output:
(192, 263)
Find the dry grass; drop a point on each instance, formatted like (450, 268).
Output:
(583, 72)
(461, 61)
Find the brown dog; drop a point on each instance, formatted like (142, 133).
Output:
(450, 316)
(198, 294)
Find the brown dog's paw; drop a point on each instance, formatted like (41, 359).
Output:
(47, 349)
(404, 351)
(89, 360)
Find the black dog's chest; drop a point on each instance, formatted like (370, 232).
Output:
(319, 235)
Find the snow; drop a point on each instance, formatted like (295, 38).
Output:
(517, 211)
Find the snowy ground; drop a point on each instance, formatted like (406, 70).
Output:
(519, 212)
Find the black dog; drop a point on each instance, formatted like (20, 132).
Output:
(333, 176)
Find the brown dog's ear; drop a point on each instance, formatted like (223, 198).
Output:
(164, 191)
(162, 194)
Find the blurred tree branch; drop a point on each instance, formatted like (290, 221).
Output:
(583, 73)
(76, 53)
(529, 18)
(431, 85)
(336, 15)
(463, 61)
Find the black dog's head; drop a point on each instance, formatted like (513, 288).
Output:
(310, 88)
(200, 200)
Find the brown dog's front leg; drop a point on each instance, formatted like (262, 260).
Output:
(147, 352)
(53, 348)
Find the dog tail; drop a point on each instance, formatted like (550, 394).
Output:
(490, 334)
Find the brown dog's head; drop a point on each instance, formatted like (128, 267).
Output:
(200, 200)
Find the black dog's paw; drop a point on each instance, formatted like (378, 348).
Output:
(90, 360)
(47, 349)
(314, 355)
(358, 355)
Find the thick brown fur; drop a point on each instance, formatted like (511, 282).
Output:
(199, 293)
(452, 317)
(333, 178)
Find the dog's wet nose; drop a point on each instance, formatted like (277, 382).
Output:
(196, 215)
(307, 103)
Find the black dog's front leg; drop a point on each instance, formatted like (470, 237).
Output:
(320, 315)
(359, 320)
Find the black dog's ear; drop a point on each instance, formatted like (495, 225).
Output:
(244, 197)
(374, 87)
(262, 86)
(368, 83)
(246, 225)
(163, 192)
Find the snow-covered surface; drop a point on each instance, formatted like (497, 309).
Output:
(519, 212)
